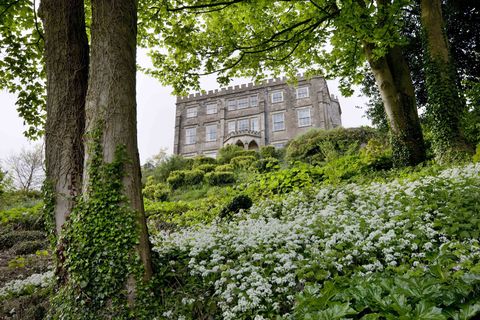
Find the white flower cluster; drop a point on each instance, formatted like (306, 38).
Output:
(16, 287)
(257, 264)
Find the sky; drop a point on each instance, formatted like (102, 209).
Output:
(156, 115)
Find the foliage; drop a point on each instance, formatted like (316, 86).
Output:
(23, 217)
(270, 152)
(173, 163)
(100, 257)
(183, 178)
(193, 177)
(476, 156)
(471, 118)
(18, 287)
(239, 202)
(242, 162)
(170, 215)
(316, 146)
(8, 239)
(386, 247)
(29, 247)
(207, 167)
(247, 38)
(299, 177)
(22, 65)
(225, 154)
(267, 164)
(155, 191)
(444, 109)
(201, 160)
(176, 179)
(224, 167)
(439, 293)
(218, 178)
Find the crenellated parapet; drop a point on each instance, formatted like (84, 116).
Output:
(235, 89)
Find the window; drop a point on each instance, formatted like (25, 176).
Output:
(279, 145)
(303, 93)
(190, 135)
(231, 126)
(242, 124)
(211, 133)
(254, 124)
(232, 105)
(277, 96)
(253, 101)
(304, 118)
(192, 112)
(278, 120)
(211, 108)
(242, 103)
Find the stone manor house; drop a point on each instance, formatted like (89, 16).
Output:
(250, 116)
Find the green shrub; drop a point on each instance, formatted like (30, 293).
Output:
(476, 156)
(224, 167)
(182, 178)
(218, 178)
(193, 177)
(343, 168)
(206, 167)
(299, 177)
(242, 162)
(248, 153)
(172, 163)
(176, 179)
(269, 152)
(9, 239)
(28, 247)
(377, 155)
(156, 191)
(266, 165)
(23, 218)
(238, 203)
(228, 152)
(317, 145)
(200, 160)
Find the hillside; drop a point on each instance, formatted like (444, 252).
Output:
(325, 229)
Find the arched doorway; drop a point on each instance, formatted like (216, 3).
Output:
(240, 144)
(253, 145)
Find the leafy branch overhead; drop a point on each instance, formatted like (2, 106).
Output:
(245, 38)
(21, 63)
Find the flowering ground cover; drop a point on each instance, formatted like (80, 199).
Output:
(404, 249)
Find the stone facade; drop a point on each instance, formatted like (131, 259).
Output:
(251, 115)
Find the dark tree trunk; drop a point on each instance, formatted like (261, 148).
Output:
(66, 61)
(111, 106)
(445, 105)
(393, 79)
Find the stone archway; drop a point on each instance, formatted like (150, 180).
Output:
(240, 144)
(253, 145)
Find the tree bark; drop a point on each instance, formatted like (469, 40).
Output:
(445, 105)
(111, 102)
(66, 61)
(393, 79)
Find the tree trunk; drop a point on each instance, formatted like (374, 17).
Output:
(392, 75)
(111, 110)
(66, 61)
(445, 105)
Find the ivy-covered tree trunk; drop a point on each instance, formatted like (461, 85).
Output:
(445, 106)
(112, 210)
(393, 79)
(66, 63)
